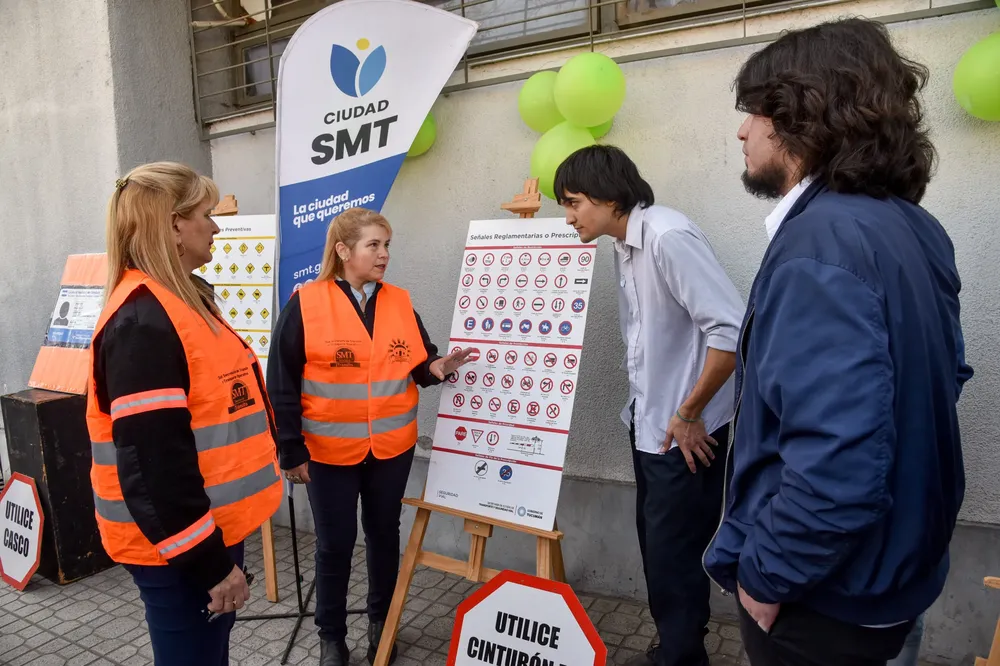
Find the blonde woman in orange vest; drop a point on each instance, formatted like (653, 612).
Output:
(184, 460)
(347, 356)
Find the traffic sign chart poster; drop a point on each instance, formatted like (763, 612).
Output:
(503, 423)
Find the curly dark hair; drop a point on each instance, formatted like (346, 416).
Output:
(844, 102)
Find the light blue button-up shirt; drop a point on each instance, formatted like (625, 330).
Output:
(674, 302)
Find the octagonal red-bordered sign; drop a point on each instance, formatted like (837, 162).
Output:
(21, 523)
(519, 613)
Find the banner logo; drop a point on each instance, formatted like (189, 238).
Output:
(352, 77)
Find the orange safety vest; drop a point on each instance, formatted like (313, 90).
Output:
(357, 394)
(232, 427)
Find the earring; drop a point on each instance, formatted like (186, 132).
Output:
(180, 246)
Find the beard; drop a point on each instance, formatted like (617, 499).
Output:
(767, 183)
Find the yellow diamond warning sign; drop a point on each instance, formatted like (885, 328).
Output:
(264, 313)
(266, 268)
(233, 269)
(218, 268)
(257, 294)
(248, 313)
(243, 248)
(249, 340)
(225, 294)
(249, 269)
(203, 269)
(263, 341)
(227, 247)
(233, 313)
(259, 247)
(240, 294)
(212, 249)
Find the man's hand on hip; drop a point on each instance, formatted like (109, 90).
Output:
(692, 440)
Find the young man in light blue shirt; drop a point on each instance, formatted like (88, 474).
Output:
(680, 317)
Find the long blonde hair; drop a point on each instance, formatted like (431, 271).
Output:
(346, 228)
(140, 233)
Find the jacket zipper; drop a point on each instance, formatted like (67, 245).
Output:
(729, 454)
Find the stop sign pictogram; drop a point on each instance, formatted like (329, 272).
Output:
(461, 433)
(21, 523)
(526, 617)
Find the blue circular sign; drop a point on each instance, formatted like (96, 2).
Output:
(545, 327)
(506, 325)
(488, 324)
(565, 328)
(506, 472)
(578, 305)
(470, 323)
(525, 326)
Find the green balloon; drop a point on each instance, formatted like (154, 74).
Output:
(976, 82)
(536, 104)
(552, 149)
(604, 128)
(425, 137)
(589, 89)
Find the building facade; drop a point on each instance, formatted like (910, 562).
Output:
(95, 87)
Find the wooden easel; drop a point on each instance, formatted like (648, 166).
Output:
(229, 206)
(548, 549)
(994, 657)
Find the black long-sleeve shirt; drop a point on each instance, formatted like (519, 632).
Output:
(139, 350)
(287, 360)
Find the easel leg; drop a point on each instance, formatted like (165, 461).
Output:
(270, 562)
(406, 571)
(544, 552)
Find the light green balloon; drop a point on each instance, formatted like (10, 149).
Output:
(536, 104)
(425, 137)
(604, 128)
(589, 89)
(976, 82)
(552, 149)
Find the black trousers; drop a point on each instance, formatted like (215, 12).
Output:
(333, 494)
(677, 513)
(803, 637)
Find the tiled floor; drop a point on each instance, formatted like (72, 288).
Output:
(99, 620)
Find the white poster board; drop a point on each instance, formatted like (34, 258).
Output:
(503, 423)
(242, 273)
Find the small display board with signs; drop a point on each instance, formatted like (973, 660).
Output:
(242, 273)
(21, 522)
(520, 619)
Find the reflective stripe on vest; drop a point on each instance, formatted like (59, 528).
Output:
(357, 394)
(221, 495)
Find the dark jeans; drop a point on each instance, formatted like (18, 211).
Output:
(177, 617)
(677, 513)
(803, 637)
(333, 494)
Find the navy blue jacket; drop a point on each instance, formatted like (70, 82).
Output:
(845, 477)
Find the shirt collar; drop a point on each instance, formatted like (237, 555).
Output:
(633, 229)
(773, 221)
(368, 287)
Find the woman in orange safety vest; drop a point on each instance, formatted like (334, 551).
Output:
(184, 460)
(347, 356)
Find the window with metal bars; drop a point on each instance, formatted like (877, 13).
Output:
(237, 44)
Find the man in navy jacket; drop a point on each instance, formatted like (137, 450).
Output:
(845, 477)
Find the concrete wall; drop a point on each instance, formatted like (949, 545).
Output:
(679, 125)
(92, 88)
(58, 162)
